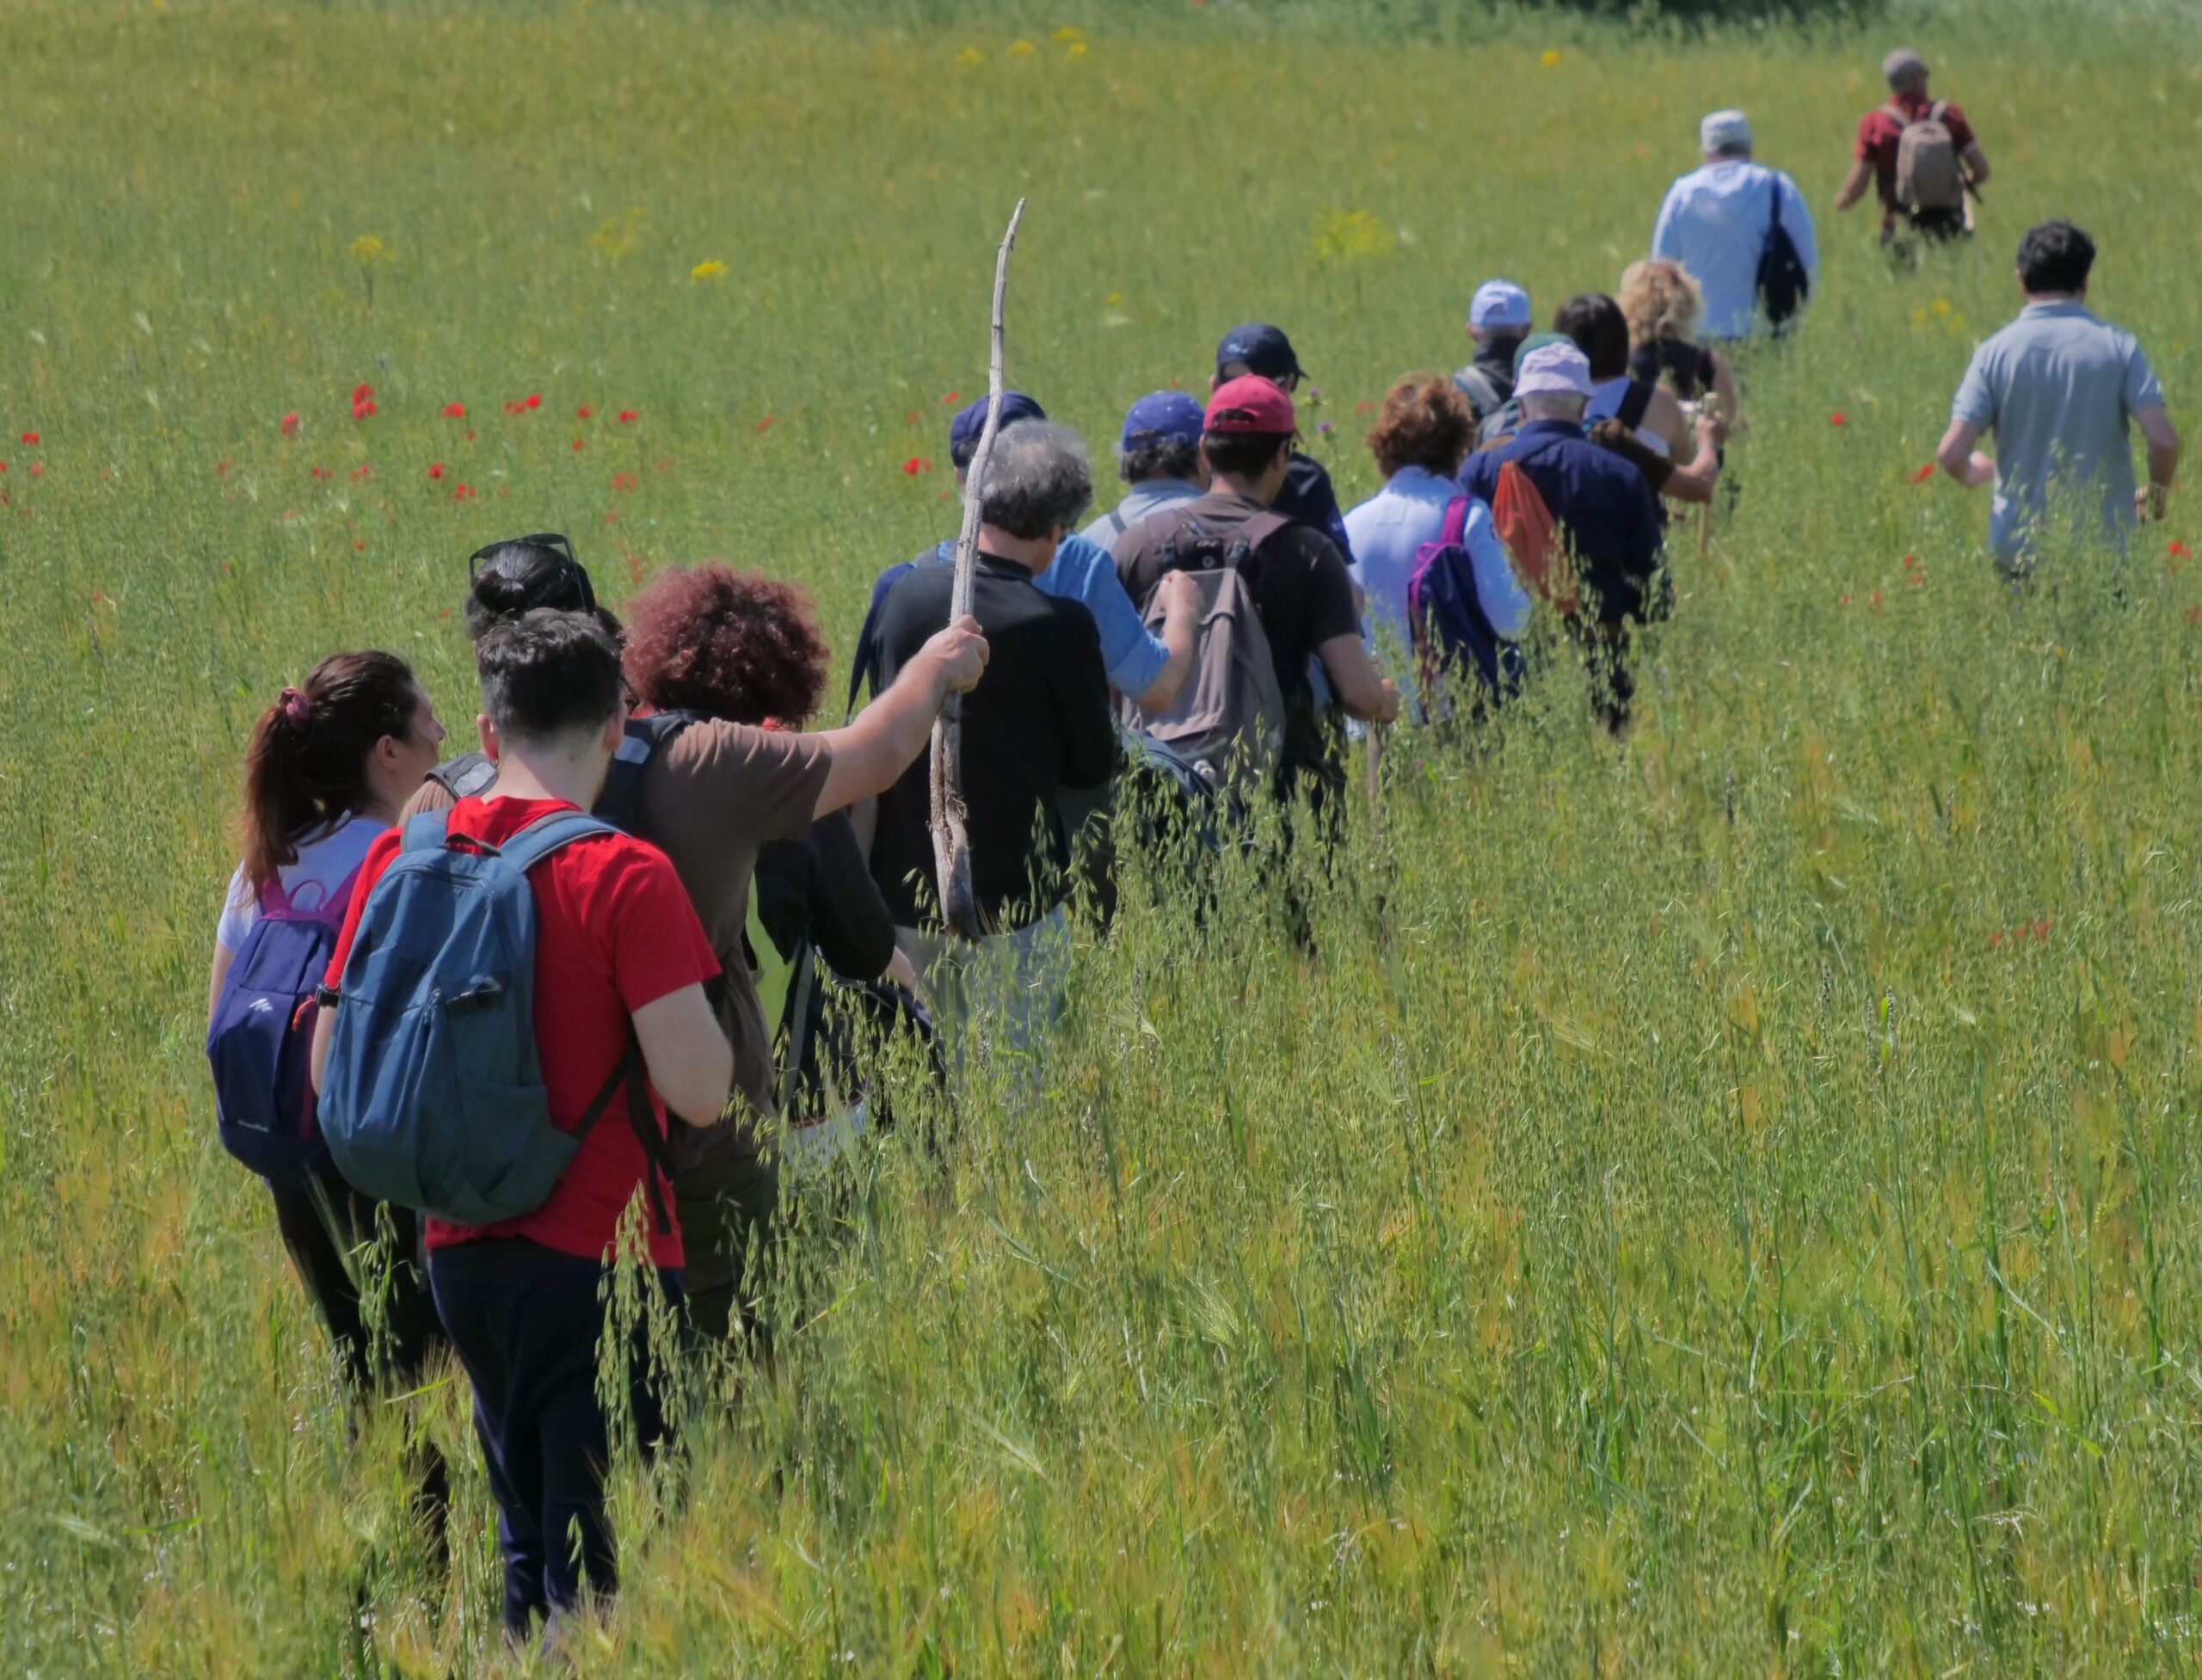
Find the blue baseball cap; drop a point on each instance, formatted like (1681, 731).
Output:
(963, 432)
(1162, 416)
(1257, 348)
(1499, 306)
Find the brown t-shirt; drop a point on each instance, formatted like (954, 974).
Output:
(710, 800)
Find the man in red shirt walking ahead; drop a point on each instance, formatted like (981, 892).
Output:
(621, 960)
(1919, 153)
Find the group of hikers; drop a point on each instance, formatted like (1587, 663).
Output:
(620, 956)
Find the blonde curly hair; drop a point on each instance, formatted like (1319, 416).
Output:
(1662, 300)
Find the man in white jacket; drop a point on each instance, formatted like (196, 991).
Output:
(1716, 221)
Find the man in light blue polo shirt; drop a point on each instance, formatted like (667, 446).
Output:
(1716, 221)
(1159, 457)
(2061, 388)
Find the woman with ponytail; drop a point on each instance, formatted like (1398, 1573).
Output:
(328, 768)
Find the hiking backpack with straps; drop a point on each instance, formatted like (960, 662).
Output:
(1445, 614)
(1481, 390)
(1229, 718)
(1783, 281)
(433, 1097)
(1927, 176)
(1534, 540)
(259, 1042)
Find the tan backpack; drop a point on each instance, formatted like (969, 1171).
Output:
(1927, 177)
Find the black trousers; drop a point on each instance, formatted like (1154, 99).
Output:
(328, 1226)
(527, 1320)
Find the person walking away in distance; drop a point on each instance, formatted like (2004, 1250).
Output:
(712, 796)
(1299, 582)
(1264, 352)
(1038, 726)
(1159, 458)
(1663, 305)
(1607, 517)
(328, 768)
(620, 966)
(1424, 434)
(2061, 388)
(1727, 221)
(1644, 407)
(709, 642)
(1919, 154)
(1499, 318)
(1149, 665)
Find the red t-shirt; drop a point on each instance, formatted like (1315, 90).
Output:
(614, 931)
(1880, 132)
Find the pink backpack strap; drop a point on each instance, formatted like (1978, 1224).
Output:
(1456, 523)
(278, 905)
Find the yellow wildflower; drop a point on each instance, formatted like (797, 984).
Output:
(1552, 57)
(1942, 306)
(366, 248)
(711, 270)
(970, 55)
(1067, 34)
(1022, 49)
(1349, 235)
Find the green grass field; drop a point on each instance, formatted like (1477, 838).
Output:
(1721, 1203)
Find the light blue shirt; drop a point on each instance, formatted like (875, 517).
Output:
(1388, 531)
(1714, 222)
(1083, 572)
(1151, 496)
(2060, 388)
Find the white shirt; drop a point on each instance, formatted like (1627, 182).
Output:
(1714, 222)
(1388, 531)
(327, 862)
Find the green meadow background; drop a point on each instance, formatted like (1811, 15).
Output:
(1724, 1203)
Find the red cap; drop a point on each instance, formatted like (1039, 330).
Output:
(1250, 404)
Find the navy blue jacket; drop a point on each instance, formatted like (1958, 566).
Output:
(1307, 497)
(1601, 501)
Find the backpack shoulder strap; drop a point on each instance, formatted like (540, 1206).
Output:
(547, 835)
(621, 801)
(1260, 528)
(1939, 111)
(1456, 532)
(1117, 525)
(468, 774)
(1476, 386)
(1634, 403)
(1903, 117)
(865, 665)
(426, 832)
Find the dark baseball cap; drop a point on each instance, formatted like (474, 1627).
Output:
(963, 432)
(1162, 416)
(1256, 347)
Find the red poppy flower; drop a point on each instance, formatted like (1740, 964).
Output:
(2041, 928)
(471, 434)
(445, 615)
(1876, 598)
(454, 411)
(1843, 600)
(584, 412)
(1838, 418)
(2181, 552)
(1910, 562)
(515, 406)
(290, 424)
(952, 397)
(535, 401)
(916, 419)
(37, 469)
(358, 547)
(613, 518)
(363, 471)
(363, 407)
(362, 391)
(625, 481)
(633, 568)
(30, 437)
(1364, 407)
(1923, 474)
(916, 464)
(1995, 940)
(580, 444)
(435, 469)
(765, 424)
(463, 493)
(221, 467)
(628, 416)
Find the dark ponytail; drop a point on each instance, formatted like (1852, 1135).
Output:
(306, 766)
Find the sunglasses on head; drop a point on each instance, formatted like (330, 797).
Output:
(557, 543)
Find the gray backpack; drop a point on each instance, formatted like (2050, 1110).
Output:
(1927, 174)
(1229, 718)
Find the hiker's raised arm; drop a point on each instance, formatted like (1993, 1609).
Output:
(1958, 457)
(1181, 624)
(687, 1054)
(887, 736)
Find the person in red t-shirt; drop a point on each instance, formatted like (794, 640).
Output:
(621, 959)
(1880, 133)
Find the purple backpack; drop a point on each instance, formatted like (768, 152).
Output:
(1446, 617)
(259, 1041)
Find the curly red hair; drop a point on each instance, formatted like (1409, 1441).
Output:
(730, 644)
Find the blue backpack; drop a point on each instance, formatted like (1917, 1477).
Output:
(1446, 617)
(433, 1097)
(259, 1041)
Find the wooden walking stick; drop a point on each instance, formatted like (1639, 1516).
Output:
(951, 843)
